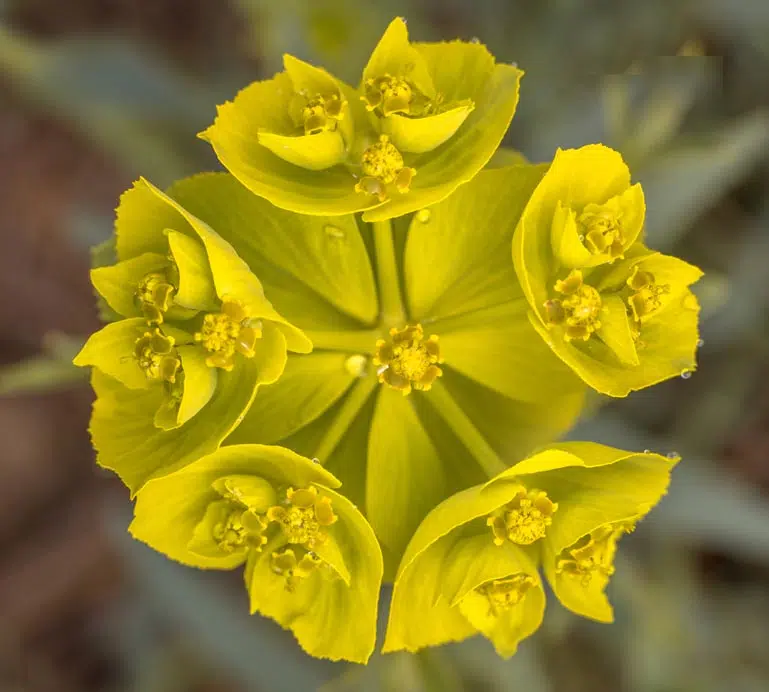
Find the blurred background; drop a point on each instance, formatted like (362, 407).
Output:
(94, 93)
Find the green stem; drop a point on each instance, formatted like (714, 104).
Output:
(390, 300)
(465, 429)
(349, 409)
(361, 341)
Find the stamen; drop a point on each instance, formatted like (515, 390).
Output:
(408, 360)
(523, 520)
(321, 114)
(155, 294)
(593, 554)
(389, 94)
(382, 166)
(579, 311)
(303, 516)
(157, 356)
(504, 594)
(227, 332)
(601, 230)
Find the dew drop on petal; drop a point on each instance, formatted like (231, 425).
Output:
(647, 451)
(686, 374)
(700, 343)
(475, 39)
(333, 232)
(672, 455)
(423, 215)
(356, 365)
(315, 460)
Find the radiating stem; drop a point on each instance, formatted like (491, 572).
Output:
(361, 341)
(349, 409)
(465, 429)
(390, 300)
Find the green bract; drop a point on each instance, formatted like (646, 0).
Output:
(472, 563)
(173, 382)
(312, 561)
(500, 390)
(425, 119)
(621, 315)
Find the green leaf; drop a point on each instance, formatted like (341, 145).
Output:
(312, 268)
(321, 604)
(465, 274)
(405, 477)
(309, 385)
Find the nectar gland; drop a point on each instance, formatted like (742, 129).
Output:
(593, 554)
(601, 231)
(504, 594)
(155, 295)
(382, 167)
(523, 520)
(578, 311)
(320, 113)
(227, 332)
(157, 357)
(303, 516)
(408, 361)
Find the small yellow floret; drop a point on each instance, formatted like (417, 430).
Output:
(601, 230)
(646, 298)
(286, 564)
(157, 357)
(408, 360)
(593, 554)
(382, 166)
(389, 94)
(523, 520)
(227, 332)
(155, 294)
(303, 516)
(579, 310)
(504, 594)
(321, 114)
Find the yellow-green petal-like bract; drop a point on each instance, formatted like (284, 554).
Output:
(620, 315)
(314, 568)
(426, 118)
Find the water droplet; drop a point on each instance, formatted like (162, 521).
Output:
(333, 231)
(356, 365)
(423, 215)
(700, 343)
(672, 455)
(315, 460)
(581, 237)
(475, 39)
(686, 374)
(647, 451)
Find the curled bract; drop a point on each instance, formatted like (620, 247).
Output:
(472, 565)
(620, 315)
(312, 562)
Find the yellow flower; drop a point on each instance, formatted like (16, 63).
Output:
(425, 119)
(621, 315)
(472, 563)
(312, 562)
(194, 337)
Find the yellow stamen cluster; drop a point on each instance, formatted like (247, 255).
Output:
(303, 516)
(389, 94)
(155, 295)
(593, 554)
(524, 519)
(157, 357)
(579, 310)
(294, 570)
(321, 114)
(227, 332)
(504, 594)
(408, 360)
(601, 231)
(382, 167)
(646, 298)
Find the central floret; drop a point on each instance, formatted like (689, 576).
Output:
(601, 230)
(227, 332)
(389, 94)
(579, 310)
(524, 519)
(382, 166)
(593, 554)
(408, 360)
(303, 516)
(504, 594)
(157, 357)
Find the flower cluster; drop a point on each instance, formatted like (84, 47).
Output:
(327, 363)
